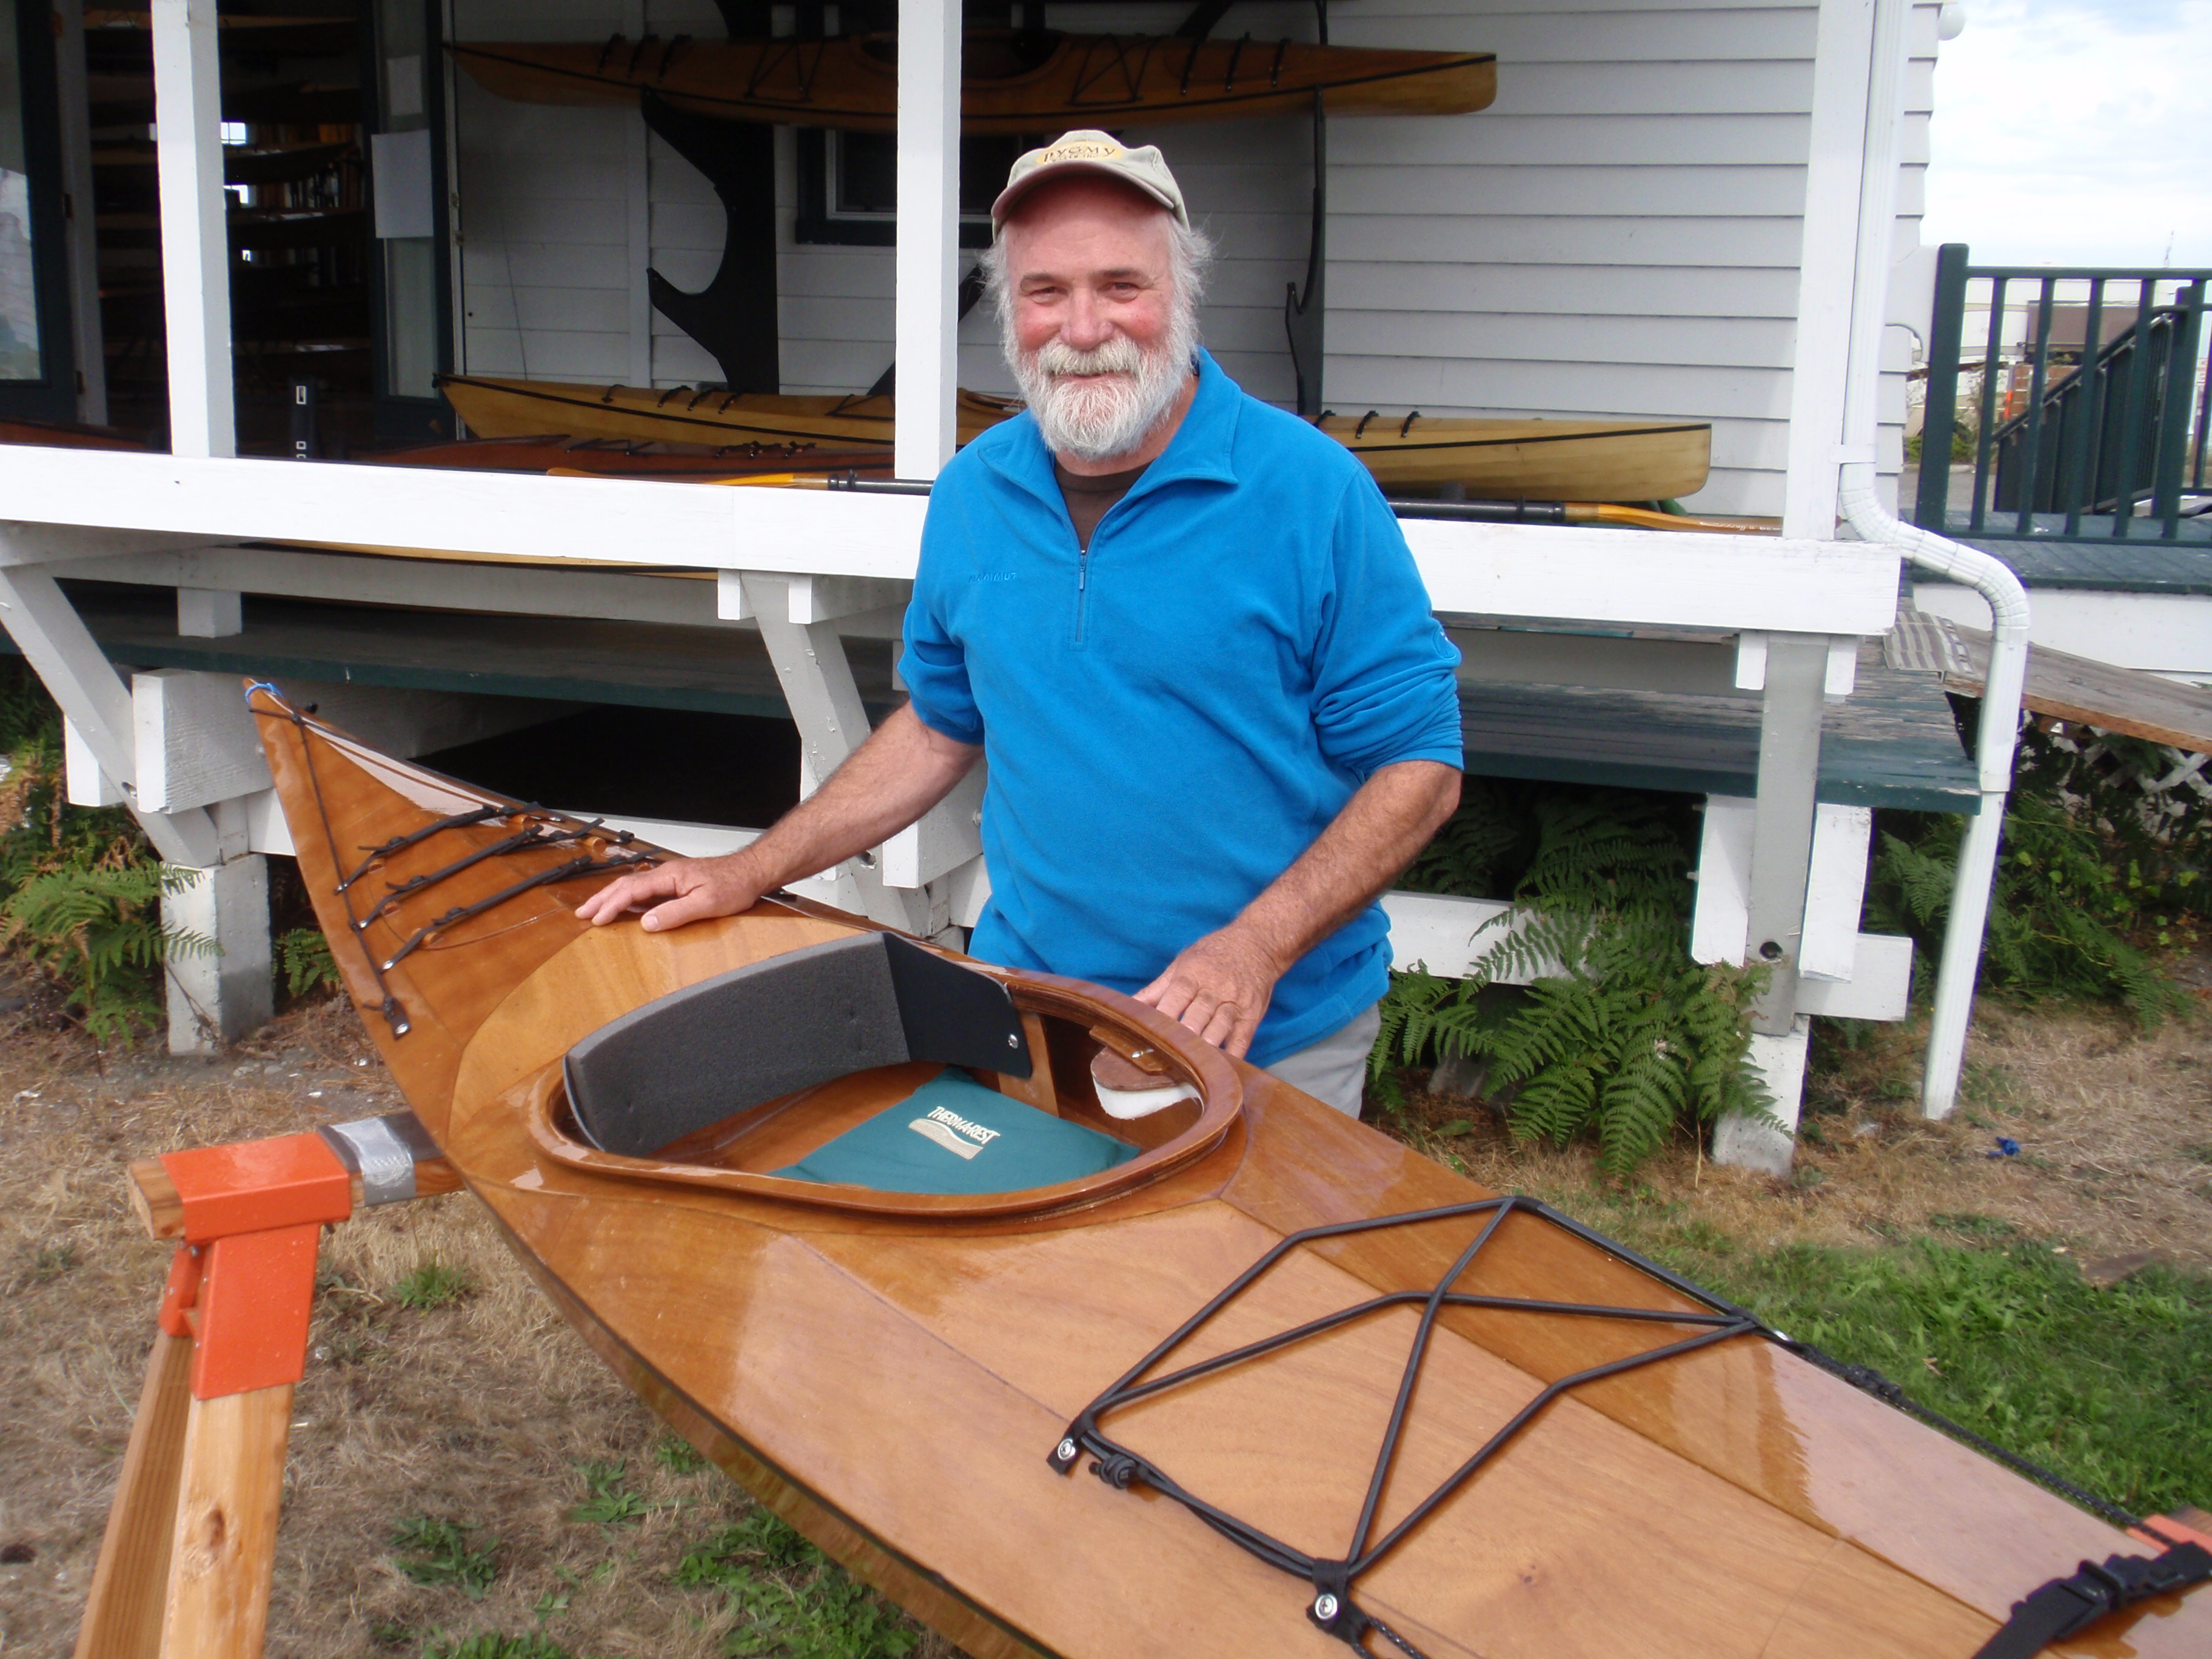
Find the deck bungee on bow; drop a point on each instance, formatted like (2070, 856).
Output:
(1013, 80)
(1493, 459)
(895, 1372)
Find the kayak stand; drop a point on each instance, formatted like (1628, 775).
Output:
(184, 1566)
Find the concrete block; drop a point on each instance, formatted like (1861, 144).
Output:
(217, 1000)
(1747, 1144)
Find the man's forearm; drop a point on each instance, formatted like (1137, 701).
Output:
(902, 771)
(1379, 832)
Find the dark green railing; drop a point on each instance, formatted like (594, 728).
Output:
(2123, 425)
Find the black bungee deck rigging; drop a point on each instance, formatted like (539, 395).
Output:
(541, 828)
(542, 831)
(1332, 1606)
(2060, 1607)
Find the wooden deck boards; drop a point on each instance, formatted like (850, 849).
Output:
(643, 664)
(2098, 694)
(1892, 743)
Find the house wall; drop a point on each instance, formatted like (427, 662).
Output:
(1617, 237)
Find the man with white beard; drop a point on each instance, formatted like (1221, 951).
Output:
(1185, 632)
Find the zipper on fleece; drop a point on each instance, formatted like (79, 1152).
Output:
(1082, 591)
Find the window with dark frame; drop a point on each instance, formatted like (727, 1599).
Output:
(848, 186)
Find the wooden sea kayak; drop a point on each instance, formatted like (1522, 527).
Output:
(1492, 460)
(635, 457)
(515, 408)
(1013, 81)
(1538, 460)
(66, 435)
(925, 1382)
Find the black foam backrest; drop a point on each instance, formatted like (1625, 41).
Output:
(710, 1050)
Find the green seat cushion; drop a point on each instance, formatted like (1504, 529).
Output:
(954, 1135)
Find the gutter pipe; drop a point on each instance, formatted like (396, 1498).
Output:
(1861, 509)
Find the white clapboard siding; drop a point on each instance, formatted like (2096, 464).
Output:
(1617, 237)
(545, 249)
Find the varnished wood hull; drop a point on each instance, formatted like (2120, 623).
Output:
(631, 457)
(1531, 461)
(894, 1382)
(1013, 83)
(517, 408)
(65, 435)
(1493, 460)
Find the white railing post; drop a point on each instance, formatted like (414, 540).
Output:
(195, 236)
(925, 343)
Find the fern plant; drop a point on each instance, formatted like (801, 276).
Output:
(305, 955)
(80, 889)
(2060, 915)
(95, 930)
(1619, 1035)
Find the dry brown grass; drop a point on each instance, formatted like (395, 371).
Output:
(480, 1411)
(2114, 1127)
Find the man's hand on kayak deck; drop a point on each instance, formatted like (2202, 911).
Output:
(677, 892)
(1219, 987)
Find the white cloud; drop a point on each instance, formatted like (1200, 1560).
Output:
(2073, 131)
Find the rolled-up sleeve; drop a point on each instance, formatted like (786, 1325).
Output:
(1385, 685)
(933, 663)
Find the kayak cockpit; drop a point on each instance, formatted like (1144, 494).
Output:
(870, 1072)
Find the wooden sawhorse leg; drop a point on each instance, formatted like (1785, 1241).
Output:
(123, 1619)
(184, 1568)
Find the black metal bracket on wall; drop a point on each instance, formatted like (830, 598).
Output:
(734, 316)
(1305, 314)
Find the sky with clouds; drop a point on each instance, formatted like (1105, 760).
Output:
(2074, 131)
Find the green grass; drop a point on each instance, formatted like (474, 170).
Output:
(430, 1550)
(433, 1284)
(677, 1456)
(609, 1502)
(487, 1644)
(789, 1599)
(2105, 1386)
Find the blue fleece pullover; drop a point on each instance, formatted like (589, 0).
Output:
(1172, 718)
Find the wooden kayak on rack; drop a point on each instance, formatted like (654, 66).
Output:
(66, 435)
(1013, 81)
(1533, 460)
(1492, 460)
(515, 408)
(926, 1381)
(637, 457)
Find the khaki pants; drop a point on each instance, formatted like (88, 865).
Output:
(1334, 1070)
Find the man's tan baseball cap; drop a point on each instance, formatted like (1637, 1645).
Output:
(1088, 150)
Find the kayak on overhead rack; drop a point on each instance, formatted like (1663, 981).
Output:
(1013, 80)
(635, 457)
(1493, 459)
(849, 1212)
(515, 408)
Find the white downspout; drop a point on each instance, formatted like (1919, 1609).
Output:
(1863, 510)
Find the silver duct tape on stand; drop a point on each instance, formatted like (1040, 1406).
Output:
(381, 1151)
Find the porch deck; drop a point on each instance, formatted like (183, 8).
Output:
(2094, 561)
(1893, 743)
